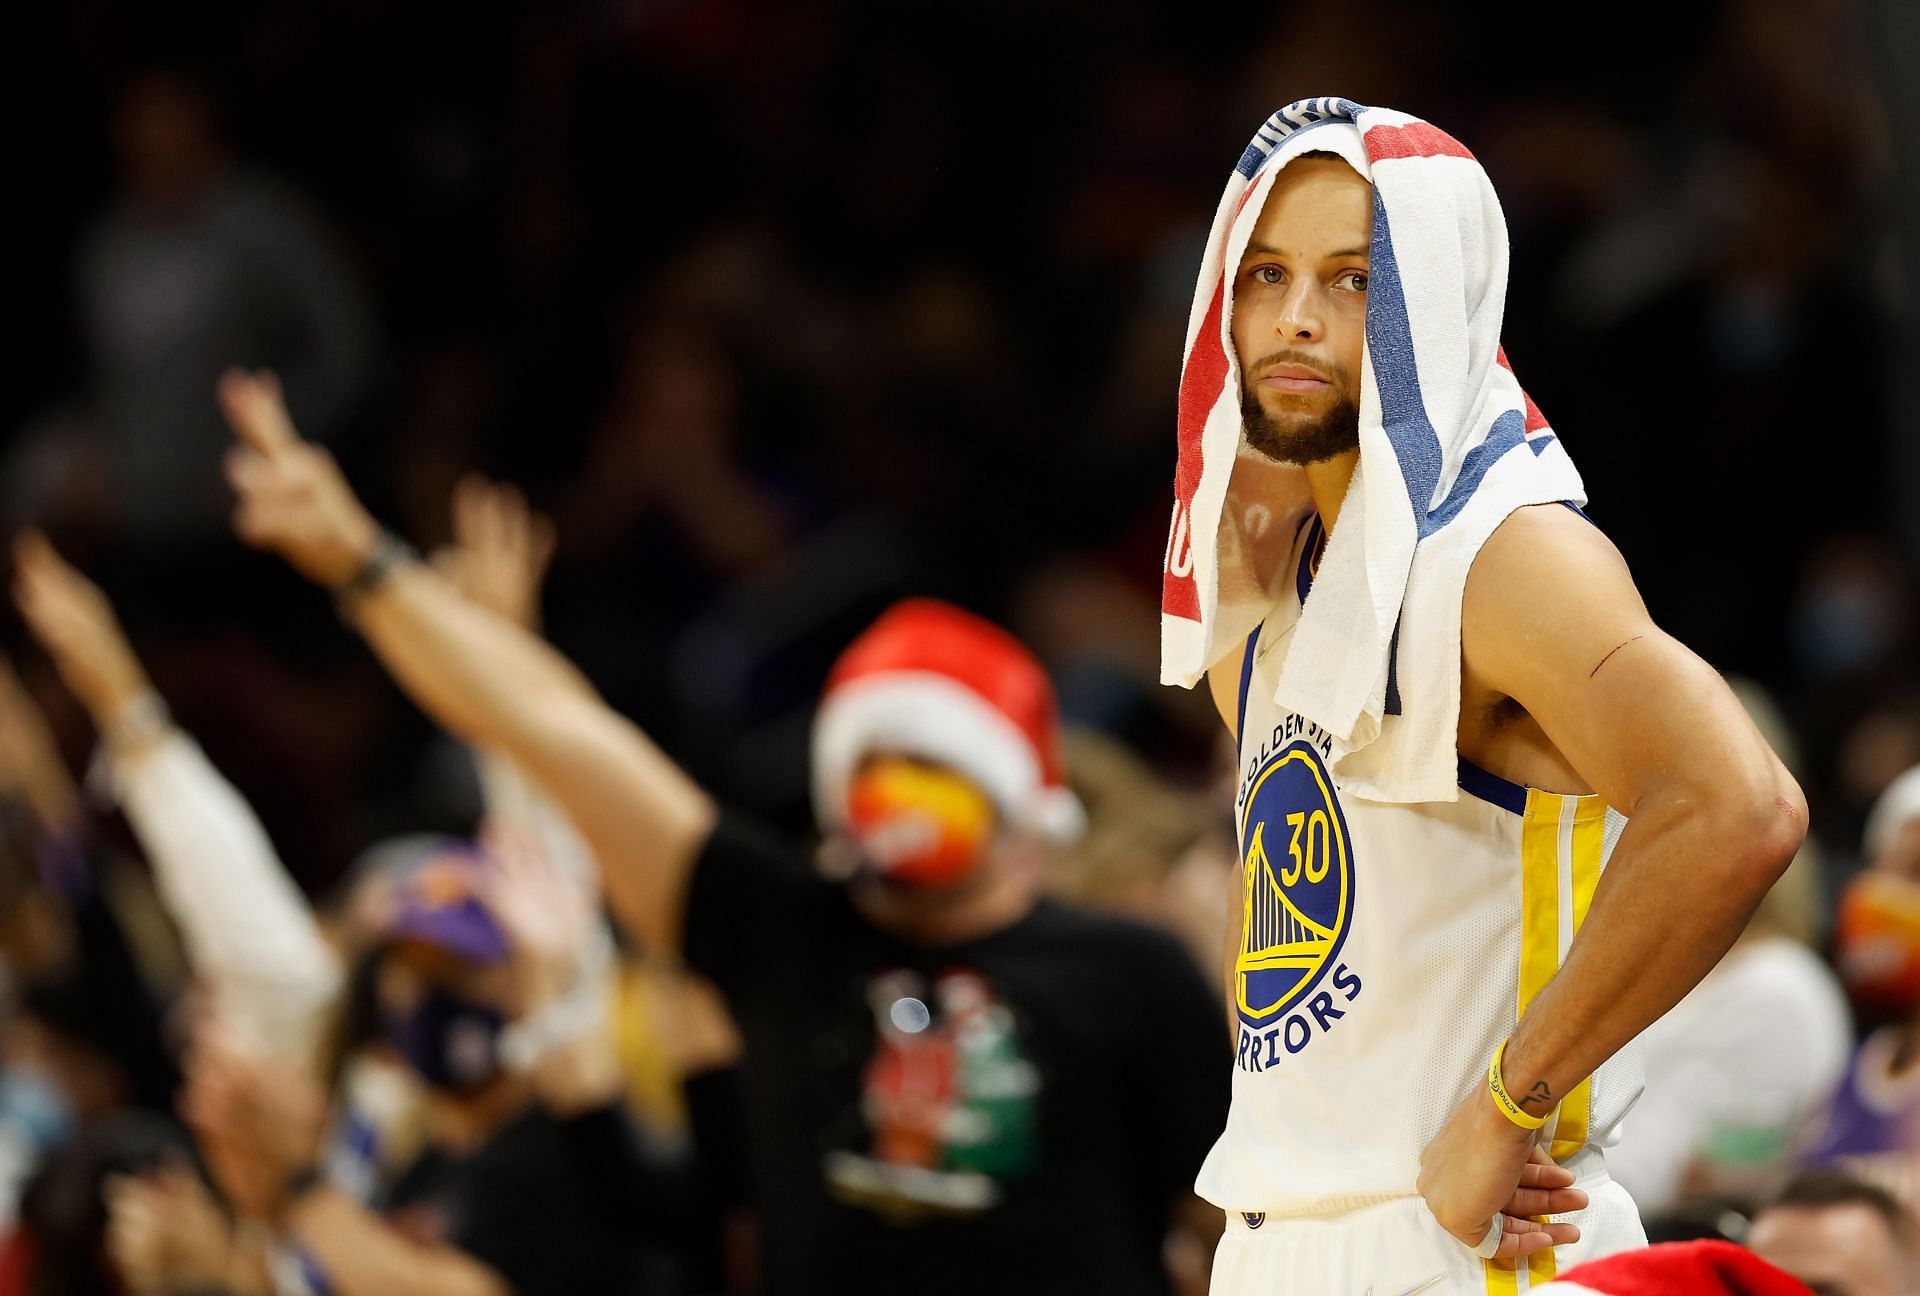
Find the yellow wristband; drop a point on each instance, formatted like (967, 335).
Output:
(1504, 1100)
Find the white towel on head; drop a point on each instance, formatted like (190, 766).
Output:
(1449, 446)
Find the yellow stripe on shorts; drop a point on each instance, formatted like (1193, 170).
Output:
(1589, 832)
(1561, 842)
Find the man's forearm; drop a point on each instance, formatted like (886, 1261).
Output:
(498, 685)
(1683, 881)
(476, 673)
(361, 1255)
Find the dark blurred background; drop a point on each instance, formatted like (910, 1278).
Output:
(782, 310)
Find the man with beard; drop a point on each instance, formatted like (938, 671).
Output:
(1453, 712)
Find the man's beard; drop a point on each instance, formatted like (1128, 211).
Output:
(1301, 440)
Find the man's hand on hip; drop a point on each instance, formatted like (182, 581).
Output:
(1481, 1165)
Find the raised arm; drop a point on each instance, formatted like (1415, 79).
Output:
(248, 931)
(498, 559)
(488, 681)
(1551, 619)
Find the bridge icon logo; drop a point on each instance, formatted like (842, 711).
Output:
(1297, 884)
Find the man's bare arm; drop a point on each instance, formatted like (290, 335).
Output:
(486, 680)
(1552, 619)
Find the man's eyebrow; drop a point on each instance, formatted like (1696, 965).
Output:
(1344, 254)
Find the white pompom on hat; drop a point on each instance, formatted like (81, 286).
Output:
(932, 681)
(1898, 806)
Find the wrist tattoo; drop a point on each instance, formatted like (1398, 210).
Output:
(1540, 1093)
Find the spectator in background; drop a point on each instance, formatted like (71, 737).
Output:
(534, 1182)
(83, 959)
(199, 259)
(1724, 1101)
(948, 1080)
(1841, 1237)
(1873, 1124)
(476, 969)
(65, 1242)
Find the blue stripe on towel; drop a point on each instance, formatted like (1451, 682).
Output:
(1301, 115)
(1403, 411)
(1509, 431)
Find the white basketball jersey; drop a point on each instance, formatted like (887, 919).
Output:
(1385, 950)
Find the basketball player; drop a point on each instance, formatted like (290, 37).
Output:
(1382, 1137)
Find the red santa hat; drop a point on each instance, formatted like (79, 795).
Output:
(1710, 1268)
(932, 681)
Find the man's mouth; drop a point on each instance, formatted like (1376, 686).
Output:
(1293, 378)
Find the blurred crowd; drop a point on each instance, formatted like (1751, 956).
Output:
(783, 312)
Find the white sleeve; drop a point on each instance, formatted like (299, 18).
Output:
(249, 933)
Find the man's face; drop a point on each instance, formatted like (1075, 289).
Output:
(1300, 312)
(1842, 1250)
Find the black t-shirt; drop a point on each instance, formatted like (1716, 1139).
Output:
(558, 1206)
(1017, 1113)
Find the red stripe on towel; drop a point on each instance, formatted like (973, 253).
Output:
(1417, 140)
(1201, 382)
(1535, 419)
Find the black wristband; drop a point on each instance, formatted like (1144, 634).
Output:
(389, 552)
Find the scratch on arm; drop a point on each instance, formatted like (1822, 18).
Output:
(1609, 657)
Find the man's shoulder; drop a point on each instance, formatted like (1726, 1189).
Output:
(1541, 538)
(1545, 574)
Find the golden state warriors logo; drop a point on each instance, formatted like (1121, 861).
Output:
(1297, 876)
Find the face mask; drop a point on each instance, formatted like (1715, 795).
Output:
(1878, 937)
(451, 1042)
(918, 826)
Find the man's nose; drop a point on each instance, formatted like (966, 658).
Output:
(1301, 315)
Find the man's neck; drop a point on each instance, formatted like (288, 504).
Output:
(1328, 480)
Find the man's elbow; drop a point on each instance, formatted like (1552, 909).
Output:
(1762, 827)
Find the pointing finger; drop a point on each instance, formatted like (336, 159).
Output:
(34, 552)
(256, 412)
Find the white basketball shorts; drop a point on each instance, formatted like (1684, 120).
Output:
(1395, 1247)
